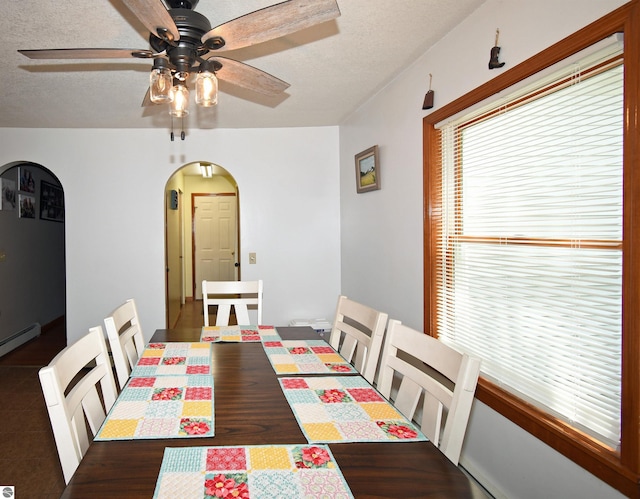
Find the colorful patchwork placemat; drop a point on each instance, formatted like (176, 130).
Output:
(239, 333)
(256, 472)
(174, 359)
(162, 407)
(305, 357)
(345, 409)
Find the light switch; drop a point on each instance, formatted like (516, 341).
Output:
(252, 258)
(3, 256)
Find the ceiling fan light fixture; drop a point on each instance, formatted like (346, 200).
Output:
(206, 170)
(160, 83)
(206, 87)
(180, 103)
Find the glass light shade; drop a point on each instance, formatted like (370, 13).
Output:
(180, 102)
(160, 83)
(206, 89)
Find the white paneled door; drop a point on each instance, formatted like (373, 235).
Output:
(215, 239)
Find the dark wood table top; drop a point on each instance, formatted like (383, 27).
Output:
(250, 409)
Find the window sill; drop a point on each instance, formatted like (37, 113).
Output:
(585, 451)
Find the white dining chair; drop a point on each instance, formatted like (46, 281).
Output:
(445, 378)
(70, 387)
(237, 294)
(357, 333)
(125, 339)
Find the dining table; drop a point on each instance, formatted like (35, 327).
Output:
(251, 409)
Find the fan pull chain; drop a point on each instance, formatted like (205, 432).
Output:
(172, 129)
(182, 134)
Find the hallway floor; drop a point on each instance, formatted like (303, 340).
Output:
(28, 456)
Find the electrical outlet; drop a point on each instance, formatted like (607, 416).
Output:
(252, 258)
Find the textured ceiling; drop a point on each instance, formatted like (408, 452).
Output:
(332, 67)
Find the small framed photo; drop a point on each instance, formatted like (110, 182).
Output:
(51, 202)
(8, 192)
(27, 182)
(27, 206)
(367, 170)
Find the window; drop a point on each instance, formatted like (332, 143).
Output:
(530, 244)
(529, 261)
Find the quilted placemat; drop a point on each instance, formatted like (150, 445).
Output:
(239, 333)
(162, 407)
(345, 409)
(174, 358)
(305, 357)
(256, 472)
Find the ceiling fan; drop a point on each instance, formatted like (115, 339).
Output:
(183, 42)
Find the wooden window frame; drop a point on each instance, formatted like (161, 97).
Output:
(620, 469)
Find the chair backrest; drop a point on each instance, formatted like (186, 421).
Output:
(125, 338)
(427, 367)
(357, 333)
(77, 371)
(225, 294)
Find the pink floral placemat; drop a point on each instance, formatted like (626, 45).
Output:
(239, 333)
(162, 407)
(345, 409)
(305, 357)
(174, 358)
(256, 472)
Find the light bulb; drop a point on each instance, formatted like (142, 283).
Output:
(180, 103)
(206, 89)
(160, 83)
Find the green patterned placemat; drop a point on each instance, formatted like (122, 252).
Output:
(256, 472)
(305, 357)
(345, 409)
(162, 407)
(239, 333)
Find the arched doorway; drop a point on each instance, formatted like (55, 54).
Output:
(184, 191)
(32, 253)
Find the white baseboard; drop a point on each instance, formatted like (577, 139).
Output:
(19, 338)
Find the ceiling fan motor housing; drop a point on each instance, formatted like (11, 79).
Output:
(184, 53)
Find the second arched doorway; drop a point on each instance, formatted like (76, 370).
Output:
(206, 187)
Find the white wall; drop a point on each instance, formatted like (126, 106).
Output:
(382, 231)
(32, 274)
(114, 183)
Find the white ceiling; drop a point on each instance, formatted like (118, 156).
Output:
(332, 68)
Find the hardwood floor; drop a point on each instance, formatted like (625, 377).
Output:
(28, 455)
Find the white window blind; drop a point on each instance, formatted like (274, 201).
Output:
(530, 244)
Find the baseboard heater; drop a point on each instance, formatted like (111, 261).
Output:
(19, 338)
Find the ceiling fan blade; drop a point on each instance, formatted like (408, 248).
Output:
(155, 17)
(88, 53)
(243, 75)
(273, 22)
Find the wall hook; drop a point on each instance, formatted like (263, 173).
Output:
(495, 52)
(428, 98)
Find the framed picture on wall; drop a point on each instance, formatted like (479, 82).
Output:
(367, 170)
(27, 206)
(27, 182)
(51, 202)
(8, 193)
